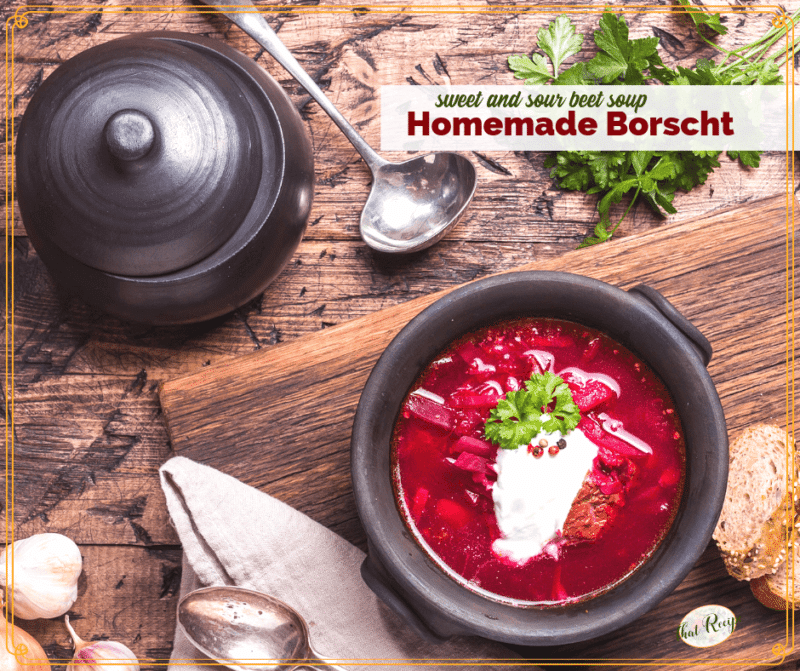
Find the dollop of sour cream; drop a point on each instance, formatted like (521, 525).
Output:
(533, 496)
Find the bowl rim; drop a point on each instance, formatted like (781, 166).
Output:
(448, 611)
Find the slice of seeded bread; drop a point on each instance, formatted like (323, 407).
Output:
(781, 588)
(750, 532)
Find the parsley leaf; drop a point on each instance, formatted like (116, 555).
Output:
(532, 71)
(574, 76)
(656, 175)
(620, 57)
(749, 158)
(601, 233)
(521, 415)
(559, 41)
(700, 18)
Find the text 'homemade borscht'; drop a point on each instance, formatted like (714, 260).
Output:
(538, 461)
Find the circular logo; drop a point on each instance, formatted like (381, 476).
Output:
(707, 626)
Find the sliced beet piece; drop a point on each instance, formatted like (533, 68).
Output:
(539, 360)
(592, 429)
(472, 446)
(469, 351)
(472, 463)
(484, 483)
(599, 436)
(591, 349)
(590, 395)
(469, 422)
(467, 400)
(452, 513)
(430, 411)
(481, 368)
(418, 505)
(479, 468)
(587, 393)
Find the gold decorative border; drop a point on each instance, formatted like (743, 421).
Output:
(19, 21)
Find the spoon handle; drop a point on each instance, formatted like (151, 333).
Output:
(254, 24)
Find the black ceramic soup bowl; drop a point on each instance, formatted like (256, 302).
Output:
(409, 581)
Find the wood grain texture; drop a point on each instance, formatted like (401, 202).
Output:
(351, 54)
(88, 434)
(126, 594)
(280, 419)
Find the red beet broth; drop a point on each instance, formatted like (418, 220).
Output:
(442, 470)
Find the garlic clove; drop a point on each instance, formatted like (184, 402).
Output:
(101, 655)
(44, 571)
(21, 651)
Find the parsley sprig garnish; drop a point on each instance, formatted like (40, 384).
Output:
(521, 415)
(558, 41)
(654, 176)
(701, 18)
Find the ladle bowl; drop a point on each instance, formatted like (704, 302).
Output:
(411, 204)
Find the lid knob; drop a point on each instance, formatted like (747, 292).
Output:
(141, 156)
(129, 134)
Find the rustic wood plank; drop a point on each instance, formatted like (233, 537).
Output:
(352, 54)
(293, 403)
(75, 365)
(705, 272)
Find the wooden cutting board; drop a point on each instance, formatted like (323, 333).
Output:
(280, 418)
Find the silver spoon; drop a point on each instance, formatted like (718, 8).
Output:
(247, 630)
(412, 204)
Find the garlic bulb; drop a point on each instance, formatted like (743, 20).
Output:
(30, 655)
(99, 655)
(44, 577)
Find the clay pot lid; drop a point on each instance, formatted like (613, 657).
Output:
(144, 155)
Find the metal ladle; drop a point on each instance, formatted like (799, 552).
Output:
(247, 630)
(412, 204)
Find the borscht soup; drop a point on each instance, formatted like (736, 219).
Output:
(538, 461)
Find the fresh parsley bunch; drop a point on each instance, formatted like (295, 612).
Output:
(521, 415)
(653, 175)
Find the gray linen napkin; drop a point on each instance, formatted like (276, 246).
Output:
(233, 534)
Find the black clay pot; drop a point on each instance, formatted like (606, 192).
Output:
(397, 568)
(163, 177)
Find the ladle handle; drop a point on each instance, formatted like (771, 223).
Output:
(254, 24)
(316, 662)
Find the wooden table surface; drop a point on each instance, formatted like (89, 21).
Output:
(88, 435)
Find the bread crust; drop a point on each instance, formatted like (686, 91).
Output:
(752, 530)
(780, 590)
(762, 591)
